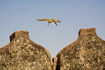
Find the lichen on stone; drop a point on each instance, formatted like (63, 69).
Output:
(24, 54)
(86, 53)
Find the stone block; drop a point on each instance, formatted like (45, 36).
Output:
(86, 53)
(23, 54)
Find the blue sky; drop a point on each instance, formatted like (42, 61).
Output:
(74, 15)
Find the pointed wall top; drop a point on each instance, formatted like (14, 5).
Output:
(85, 32)
(17, 34)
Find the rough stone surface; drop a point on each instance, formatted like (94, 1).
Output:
(54, 63)
(86, 53)
(23, 54)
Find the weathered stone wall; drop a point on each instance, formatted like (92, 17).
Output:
(23, 54)
(86, 53)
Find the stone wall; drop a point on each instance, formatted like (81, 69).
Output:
(23, 54)
(86, 53)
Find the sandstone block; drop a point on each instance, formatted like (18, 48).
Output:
(23, 54)
(86, 53)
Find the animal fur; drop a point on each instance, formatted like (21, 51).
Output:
(50, 21)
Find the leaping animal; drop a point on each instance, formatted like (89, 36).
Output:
(50, 21)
